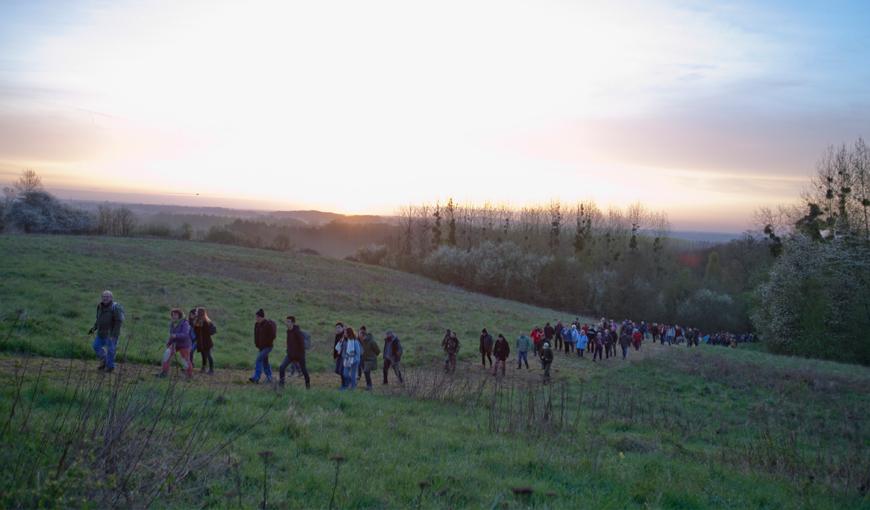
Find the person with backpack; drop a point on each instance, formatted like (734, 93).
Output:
(265, 332)
(295, 352)
(392, 356)
(179, 342)
(204, 329)
(524, 344)
(485, 348)
(450, 344)
(350, 353)
(107, 326)
(546, 360)
(370, 352)
(502, 350)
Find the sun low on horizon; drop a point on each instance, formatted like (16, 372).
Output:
(705, 111)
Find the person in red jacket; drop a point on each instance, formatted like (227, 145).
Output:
(537, 335)
(636, 338)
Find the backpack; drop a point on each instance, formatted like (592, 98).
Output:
(306, 339)
(397, 349)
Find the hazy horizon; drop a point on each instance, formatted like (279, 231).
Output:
(703, 111)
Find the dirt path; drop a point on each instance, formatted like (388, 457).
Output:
(565, 366)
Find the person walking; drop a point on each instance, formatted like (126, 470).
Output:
(636, 338)
(392, 356)
(336, 356)
(295, 352)
(501, 350)
(549, 333)
(450, 344)
(265, 332)
(107, 326)
(581, 342)
(546, 360)
(350, 351)
(204, 329)
(179, 342)
(625, 342)
(599, 346)
(524, 344)
(370, 352)
(191, 319)
(485, 348)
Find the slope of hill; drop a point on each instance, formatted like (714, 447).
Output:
(57, 281)
(668, 428)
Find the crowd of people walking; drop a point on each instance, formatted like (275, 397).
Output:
(356, 354)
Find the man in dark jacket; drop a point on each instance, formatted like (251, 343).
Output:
(549, 333)
(370, 352)
(501, 350)
(392, 356)
(485, 347)
(110, 316)
(265, 332)
(546, 360)
(295, 352)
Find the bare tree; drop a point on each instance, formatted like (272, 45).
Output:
(28, 182)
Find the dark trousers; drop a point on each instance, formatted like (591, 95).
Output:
(485, 356)
(624, 351)
(206, 358)
(557, 342)
(396, 370)
(282, 370)
(599, 353)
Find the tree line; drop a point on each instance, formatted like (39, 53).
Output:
(618, 262)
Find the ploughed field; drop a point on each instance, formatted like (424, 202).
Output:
(674, 427)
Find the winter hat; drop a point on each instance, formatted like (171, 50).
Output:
(261, 313)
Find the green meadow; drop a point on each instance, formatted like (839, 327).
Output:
(674, 428)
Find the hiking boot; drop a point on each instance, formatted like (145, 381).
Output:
(281, 382)
(109, 370)
(202, 370)
(210, 371)
(251, 379)
(102, 366)
(161, 375)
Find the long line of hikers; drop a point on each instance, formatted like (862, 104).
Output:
(355, 354)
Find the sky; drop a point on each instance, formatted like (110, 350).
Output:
(705, 110)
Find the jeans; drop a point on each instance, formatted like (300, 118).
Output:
(396, 369)
(349, 379)
(261, 366)
(282, 370)
(185, 359)
(624, 351)
(105, 349)
(522, 356)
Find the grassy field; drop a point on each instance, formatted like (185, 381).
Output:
(57, 282)
(671, 428)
